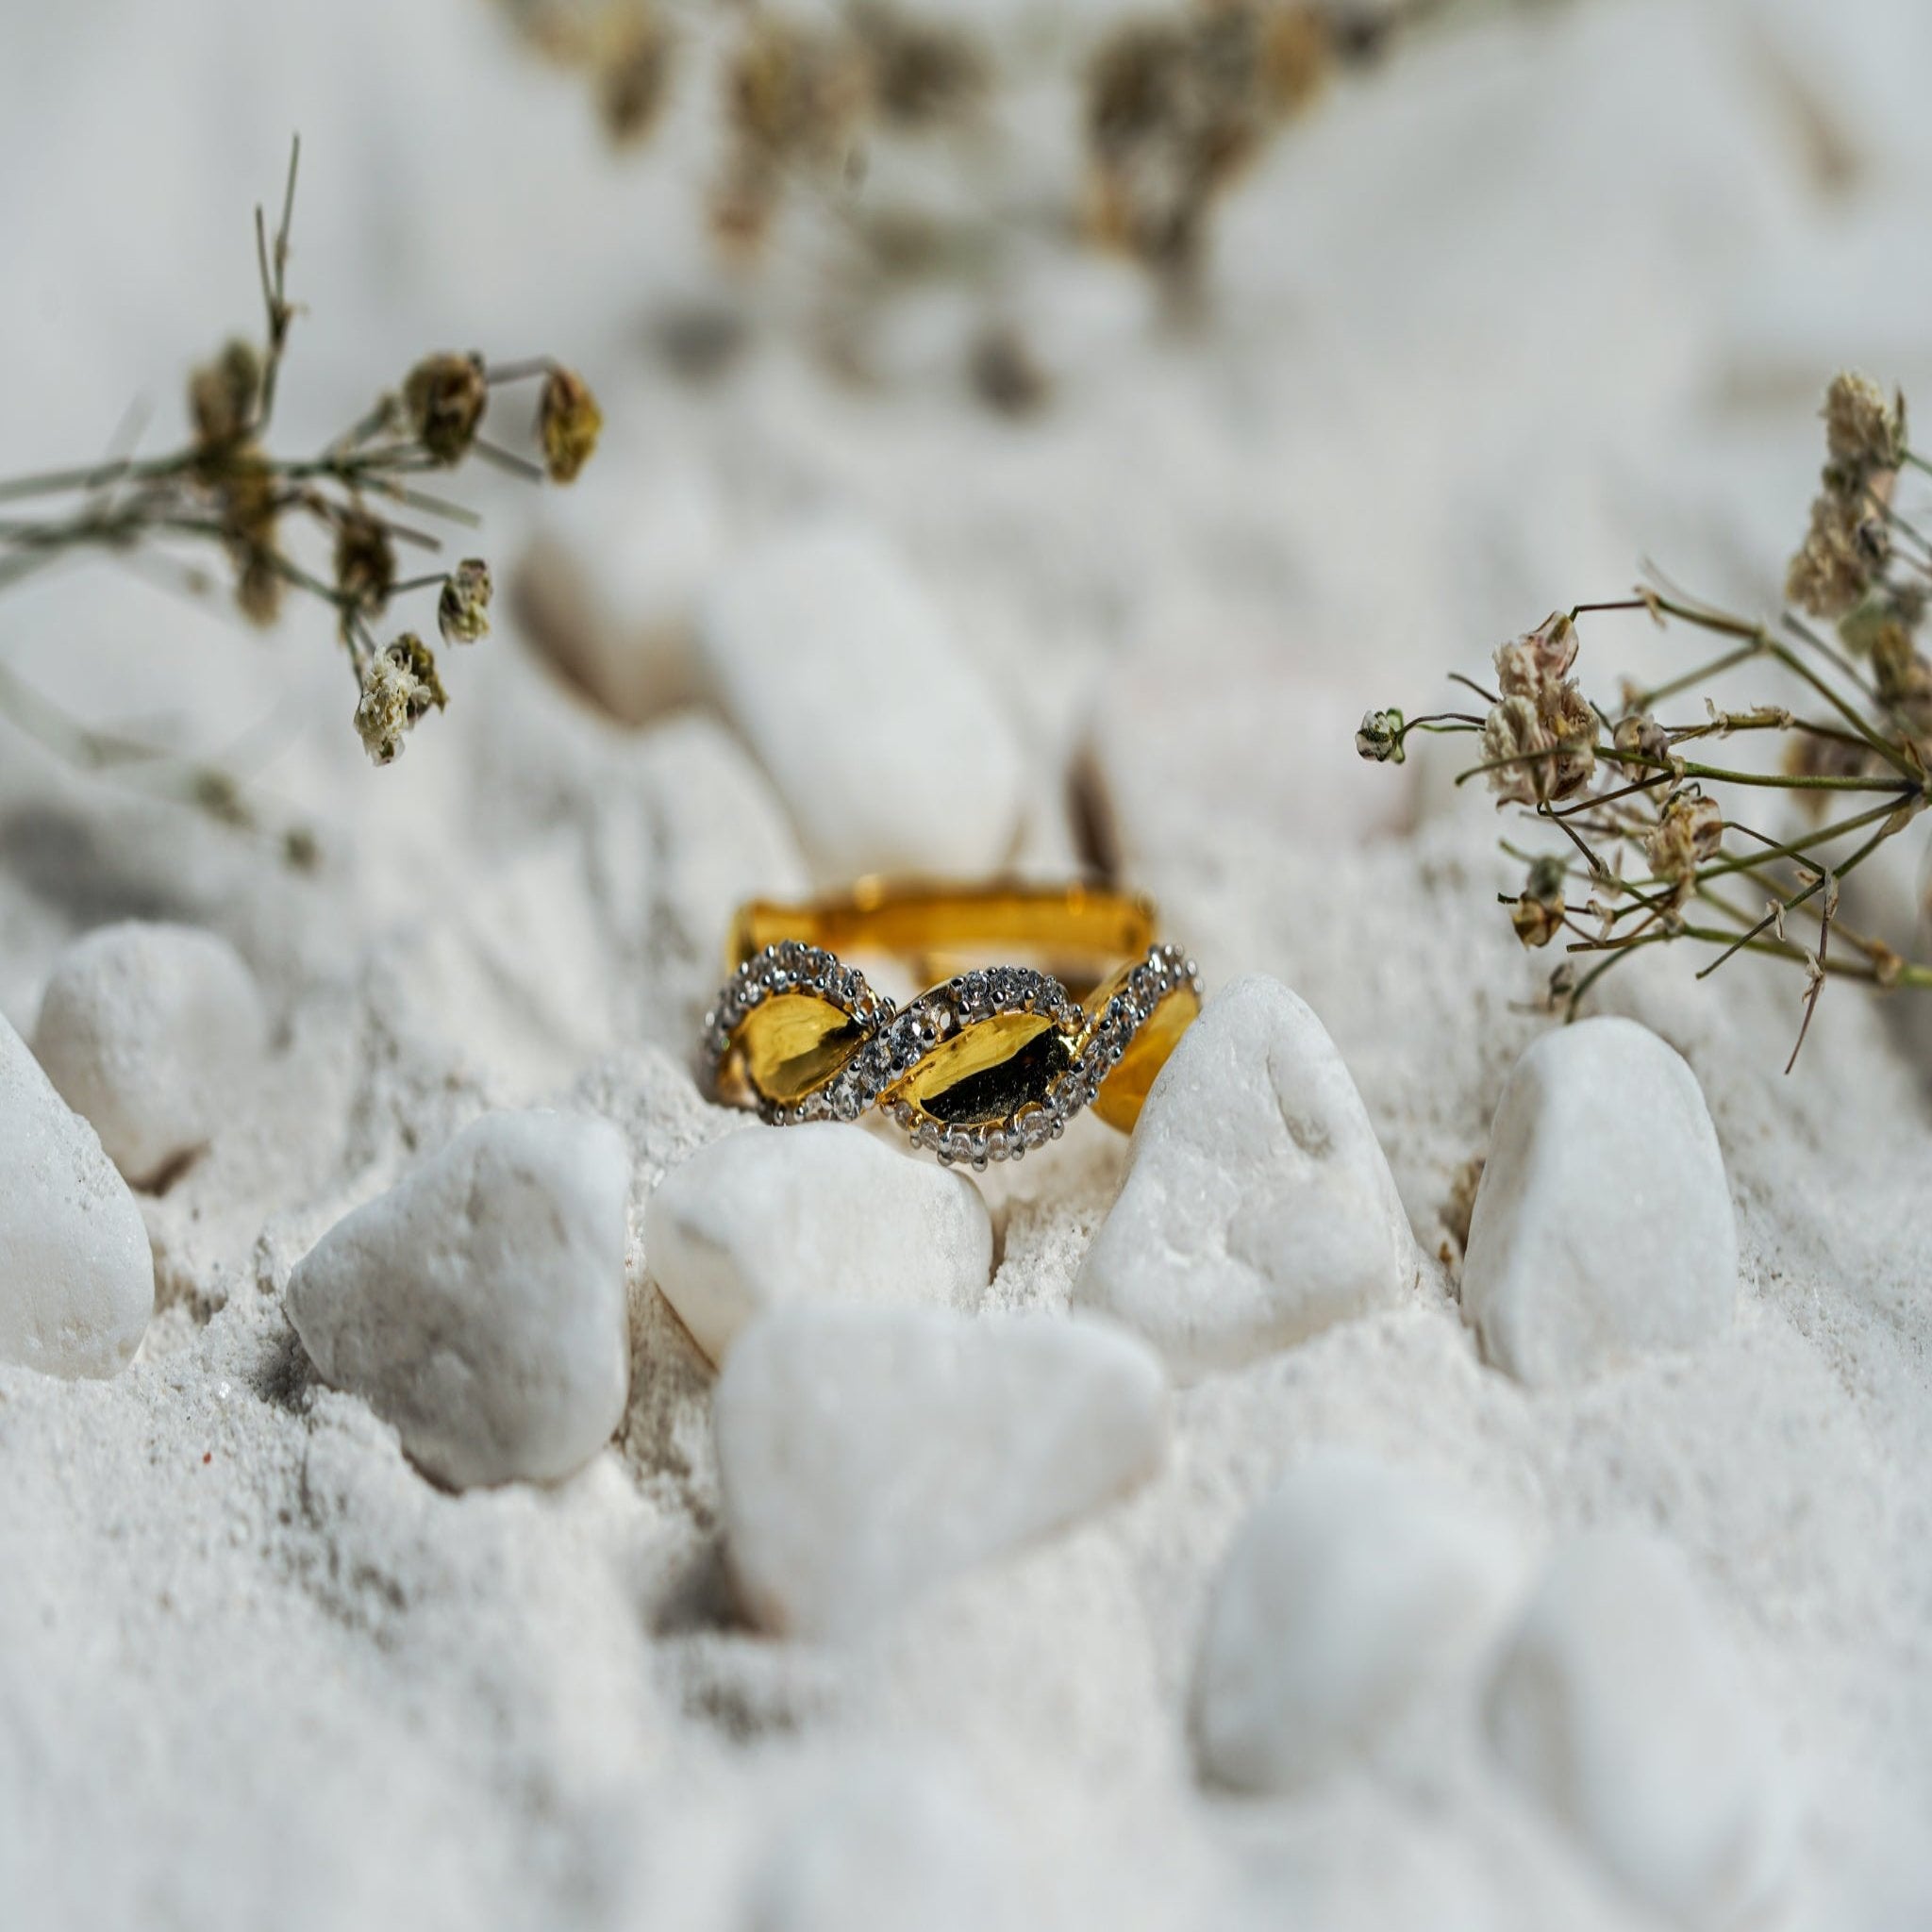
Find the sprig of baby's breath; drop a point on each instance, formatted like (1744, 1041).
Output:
(360, 496)
(1659, 841)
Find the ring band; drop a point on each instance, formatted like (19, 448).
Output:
(991, 1060)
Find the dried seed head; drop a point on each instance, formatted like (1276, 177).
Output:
(1529, 665)
(1842, 552)
(793, 91)
(1687, 835)
(1379, 740)
(1641, 736)
(445, 396)
(568, 424)
(399, 687)
(922, 74)
(1863, 431)
(633, 65)
(1298, 54)
(221, 396)
(365, 563)
(462, 609)
(1538, 912)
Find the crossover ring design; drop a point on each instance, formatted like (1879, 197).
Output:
(991, 1060)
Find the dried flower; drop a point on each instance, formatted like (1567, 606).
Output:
(922, 74)
(249, 509)
(399, 687)
(568, 424)
(1641, 736)
(1297, 54)
(1903, 677)
(1379, 740)
(1528, 665)
(223, 394)
(462, 609)
(1542, 738)
(445, 396)
(1863, 431)
(632, 67)
(1845, 548)
(365, 561)
(1686, 836)
(1538, 912)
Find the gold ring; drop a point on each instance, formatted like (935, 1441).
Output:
(992, 1060)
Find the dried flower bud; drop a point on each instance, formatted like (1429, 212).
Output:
(1006, 375)
(1842, 552)
(248, 509)
(365, 563)
(568, 424)
(1379, 740)
(1529, 665)
(793, 92)
(399, 687)
(1687, 835)
(445, 396)
(1516, 748)
(1296, 54)
(221, 396)
(1641, 736)
(1887, 968)
(633, 72)
(922, 74)
(1862, 430)
(462, 609)
(1903, 677)
(1538, 913)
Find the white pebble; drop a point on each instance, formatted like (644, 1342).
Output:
(1617, 1706)
(1257, 1205)
(1348, 1596)
(1603, 1227)
(823, 1212)
(609, 584)
(154, 1032)
(880, 733)
(479, 1305)
(866, 1453)
(76, 1275)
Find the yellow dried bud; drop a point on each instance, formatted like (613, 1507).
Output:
(365, 563)
(445, 396)
(399, 687)
(462, 609)
(568, 424)
(221, 396)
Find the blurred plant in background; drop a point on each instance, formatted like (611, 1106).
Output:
(1658, 855)
(1170, 110)
(356, 500)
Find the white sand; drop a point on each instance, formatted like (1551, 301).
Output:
(1534, 301)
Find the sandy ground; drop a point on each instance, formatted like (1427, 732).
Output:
(1541, 299)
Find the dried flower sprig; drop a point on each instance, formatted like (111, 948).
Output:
(1657, 848)
(358, 494)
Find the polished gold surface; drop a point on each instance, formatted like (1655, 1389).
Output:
(994, 1057)
(1077, 931)
(1124, 1092)
(794, 1044)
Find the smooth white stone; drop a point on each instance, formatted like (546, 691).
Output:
(1348, 1596)
(76, 1275)
(1617, 1705)
(866, 1453)
(480, 1303)
(152, 1032)
(879, 732)
(611, 581)
(1257, 1205)
(819, 1213)
(1603, 1227)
